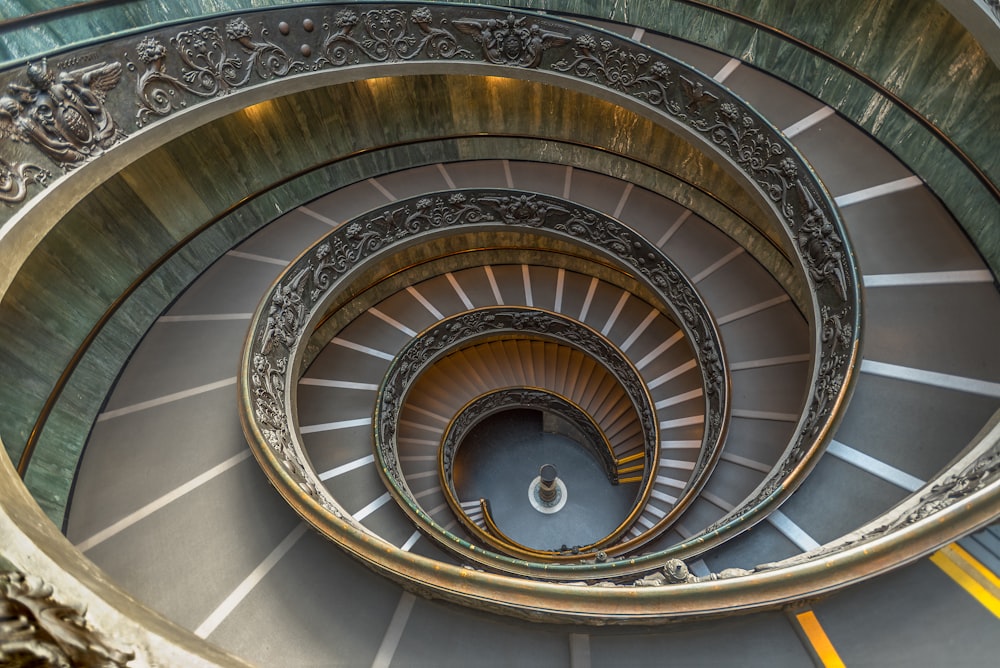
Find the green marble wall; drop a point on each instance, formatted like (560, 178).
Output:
(107, 241)
(911, 46)
(914, 48)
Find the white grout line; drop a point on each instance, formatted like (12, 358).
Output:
(430, 414)
(588, 299)
(394, 632)
(459, 291)
(726, 70)
(219, 615)
(679, 464)
(373, 506)
(258, 258)
(153, 506)
(427, 492)
(673, 373)
(673, 228)
(382, 189)
(318, 216)
(421, 475)
(878, 191)
(660, 349)
(637, 332)
(812, 119)
(445, 175)
(679, 398)
(613, 318)
(392, 321)
(718, 264)
(166, 399)
(877, 468)
(662, 496)
(657, 512)
(333, 426)
(560, 285)
(437, 509)
(526, 279)
(683, 422)
(928, 278)
(621, 202)
(345, 468)
(344, 343)
(423, 427)
(670, 482)
(568, 183)
(419, 441)
(204, 318)
(507, 175)
(792, 531)
(750, 310)
(745, 462)
(769, 361)
(764, 415)
(411, 541)
(493, 284)
(717, 501)
(342, 384)
(680, 445)
(971, 385)
(423, 301)
(638, 34)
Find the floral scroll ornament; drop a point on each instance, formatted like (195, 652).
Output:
(385, 35)
(36, 630)
(63, 115)
(16, 177)
(208, 67)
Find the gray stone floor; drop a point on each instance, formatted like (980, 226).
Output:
(502, 455)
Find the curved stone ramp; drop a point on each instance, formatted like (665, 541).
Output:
(246, 570)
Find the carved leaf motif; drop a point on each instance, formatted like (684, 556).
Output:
(35, 629)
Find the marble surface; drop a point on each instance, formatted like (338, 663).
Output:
(61, 441)
(939, 71)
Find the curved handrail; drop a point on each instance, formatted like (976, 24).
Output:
(490, 403)
(286, 316)
(463, 330)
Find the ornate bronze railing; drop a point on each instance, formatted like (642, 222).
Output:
(462, 331)
(592, 437)
(297, 301)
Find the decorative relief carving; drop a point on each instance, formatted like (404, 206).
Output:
(208, 66)
(37, 630)
(15, 179)
(63, 115)
(511, 40)
(387, 36)
(675, 571)
(307, 283)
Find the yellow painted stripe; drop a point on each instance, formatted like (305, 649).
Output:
(818, 639)
(971, 575)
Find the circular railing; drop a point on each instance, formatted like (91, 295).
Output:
(298, 299)
(466, 329)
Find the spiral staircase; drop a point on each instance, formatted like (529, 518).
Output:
(768, 527)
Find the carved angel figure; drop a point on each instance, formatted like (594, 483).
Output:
(511, 41)
(64, 115)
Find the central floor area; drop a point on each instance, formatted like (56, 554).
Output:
(501, 457)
